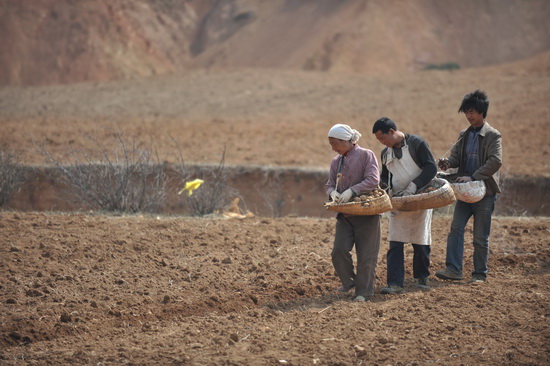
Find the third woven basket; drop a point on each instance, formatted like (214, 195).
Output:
(441, 195)
(470, 192)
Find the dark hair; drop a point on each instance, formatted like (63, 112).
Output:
(384, 124)
(476, 100)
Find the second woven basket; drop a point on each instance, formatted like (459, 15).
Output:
(442, 195)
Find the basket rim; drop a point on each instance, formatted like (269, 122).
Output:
(440, 197)
(423, 196)
(377, 205)
(470, 183)
(458, 189)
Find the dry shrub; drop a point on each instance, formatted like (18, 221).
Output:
(123, 177)
(273, 192)
(214, 194)
(12, 176)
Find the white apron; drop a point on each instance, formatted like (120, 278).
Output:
(407, 226)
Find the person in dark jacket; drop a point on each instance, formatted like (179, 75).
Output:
(478, 156)
(407, 167)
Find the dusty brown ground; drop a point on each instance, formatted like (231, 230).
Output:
(104, 290)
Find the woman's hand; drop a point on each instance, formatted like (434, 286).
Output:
(335, 196)
(346, 196)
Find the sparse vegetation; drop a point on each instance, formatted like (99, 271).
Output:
(444, 66)
(122, 178)
(273, 193)
(12, 176)
(214, 194)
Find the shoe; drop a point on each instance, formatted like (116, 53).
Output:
(393, 289)
(423, 283)
(446, 274)
(344, 288)
(477, 279)
(360, 298)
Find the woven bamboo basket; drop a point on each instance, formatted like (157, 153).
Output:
(470, 192)
(373, 206)
(443, 195)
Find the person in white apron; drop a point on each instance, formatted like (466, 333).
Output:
(408, 165)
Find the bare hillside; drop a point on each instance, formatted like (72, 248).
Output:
(63, 41)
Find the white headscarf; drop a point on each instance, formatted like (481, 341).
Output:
(344, 132)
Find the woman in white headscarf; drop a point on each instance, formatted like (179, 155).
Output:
(353, 171)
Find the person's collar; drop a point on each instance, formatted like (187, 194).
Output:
(350, 150)
(401, 143)
(484, 127)
(478, 129)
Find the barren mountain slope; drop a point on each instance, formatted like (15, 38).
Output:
(383, 36)
(52, 42)
(63, 41)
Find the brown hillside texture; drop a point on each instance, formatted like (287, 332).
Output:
(93, 289)
(65, 41)
(274, 117)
